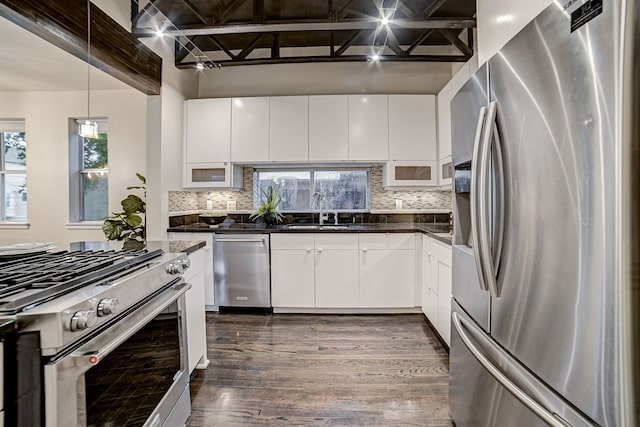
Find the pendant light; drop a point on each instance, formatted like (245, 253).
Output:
(88, 128)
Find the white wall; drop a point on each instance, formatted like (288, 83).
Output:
(329, 78)
(47, 115)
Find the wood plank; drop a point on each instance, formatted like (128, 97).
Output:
(317, 370)
(113, 49)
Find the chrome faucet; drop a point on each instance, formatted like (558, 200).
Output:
(318, 199)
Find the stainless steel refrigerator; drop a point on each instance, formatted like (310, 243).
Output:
(546, 271)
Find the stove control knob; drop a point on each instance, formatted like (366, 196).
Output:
(107, 306)
(83, 320)
(174, 267)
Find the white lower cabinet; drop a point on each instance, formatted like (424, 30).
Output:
(436, 285)
(195, 313)
(343, 270)
(207, 269)
(336, 270)
(387, 270)
(292, 270)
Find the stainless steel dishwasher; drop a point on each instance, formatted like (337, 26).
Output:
(241, 270)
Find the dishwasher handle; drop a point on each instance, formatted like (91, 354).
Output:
(240, 240)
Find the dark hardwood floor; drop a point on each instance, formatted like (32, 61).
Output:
(312, 370)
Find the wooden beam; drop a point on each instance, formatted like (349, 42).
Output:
(113, 49)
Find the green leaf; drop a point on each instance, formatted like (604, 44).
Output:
(132, 204)
(133, 245)
(141, 178)
(133, 220)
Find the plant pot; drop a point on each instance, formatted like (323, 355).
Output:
(269, 219)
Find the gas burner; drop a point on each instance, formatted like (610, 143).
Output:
(28, 281)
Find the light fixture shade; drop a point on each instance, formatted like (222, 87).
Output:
(88, 129)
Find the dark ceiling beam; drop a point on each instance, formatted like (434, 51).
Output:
(258, 10)
(393, 44)
(113, 49)
(196, 11)
(407, 10)
(249, 48)
(324, 59)
(459, 44)
(147, 9)
(430, 10)
(355, 36)
(222, 47)
(361, 24)
(185, 50)
(344, 10)
(229, 11)
(417, 42)
(275, 47)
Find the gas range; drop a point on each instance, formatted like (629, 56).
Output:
(73, 309)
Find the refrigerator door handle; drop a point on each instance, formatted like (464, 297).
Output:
(461, 324)
(484, 184)
(500, 193)
(475, 199)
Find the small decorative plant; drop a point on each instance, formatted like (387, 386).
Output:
(129, 225)
(268, 209)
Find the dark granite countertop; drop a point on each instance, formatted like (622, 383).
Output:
(187, 246)
(437, 231)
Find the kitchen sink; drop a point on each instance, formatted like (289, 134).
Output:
(316, 227)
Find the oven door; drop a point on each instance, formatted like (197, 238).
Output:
(132, 373)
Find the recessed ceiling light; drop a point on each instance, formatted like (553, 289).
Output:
(375, 57)
(200, 66)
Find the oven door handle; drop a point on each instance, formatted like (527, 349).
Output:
(93, 351)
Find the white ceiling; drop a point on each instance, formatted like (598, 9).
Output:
(28, 63)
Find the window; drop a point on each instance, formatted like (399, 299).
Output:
(89, 174)
(13, 171)
(315, 190)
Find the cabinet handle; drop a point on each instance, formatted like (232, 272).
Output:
(308, 250)
(319, 249)
(364, 249)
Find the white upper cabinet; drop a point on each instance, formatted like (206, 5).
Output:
(249, 129)
(499, 20)
(412, 127)
(208, 130)
(368, 127)
(289, 128)
(328, 128)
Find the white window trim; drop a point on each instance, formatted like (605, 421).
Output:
(11, 225)
(312, 171)
(75, 172)
(12, 125)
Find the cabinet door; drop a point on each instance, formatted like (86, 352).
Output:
(289, 128)
(412, 127)
(387, 278)
(368, 127)
(208, 130)
(328, 128)
(195, 318)
(430, 279)
(444, 301)
(250, 130)
(207, 264)
(292, 278)
(336, 278)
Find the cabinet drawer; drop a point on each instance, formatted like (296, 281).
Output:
(440, 251)
(336, 241)
(387, 241)
(292, 241)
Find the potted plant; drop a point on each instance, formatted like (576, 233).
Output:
(268, 209)
(129, 225)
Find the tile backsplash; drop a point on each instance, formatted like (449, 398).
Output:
(381, 199)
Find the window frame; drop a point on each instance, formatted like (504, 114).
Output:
(10, 125)
(77, 170)
(312, 186)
